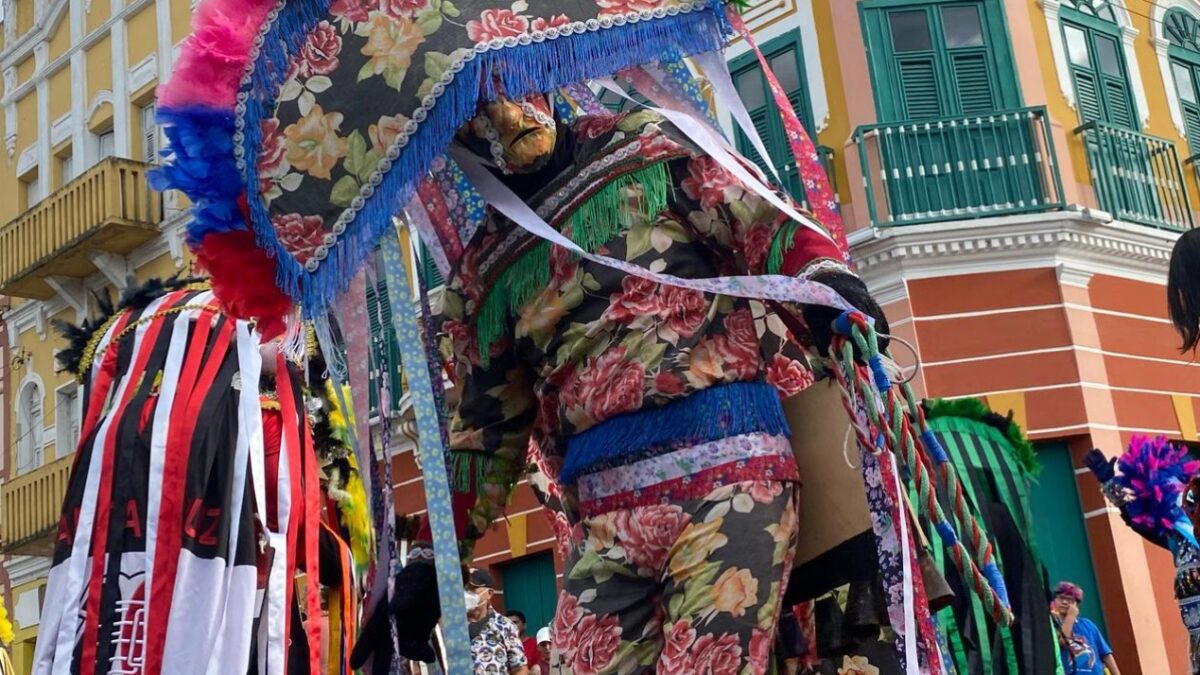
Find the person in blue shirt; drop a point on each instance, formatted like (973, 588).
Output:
(1083, 647)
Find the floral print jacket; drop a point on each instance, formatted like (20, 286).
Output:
(593, 343)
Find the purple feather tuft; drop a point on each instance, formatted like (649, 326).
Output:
(1156, 472)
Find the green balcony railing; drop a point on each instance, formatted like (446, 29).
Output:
(1137, 177)
(956, 168)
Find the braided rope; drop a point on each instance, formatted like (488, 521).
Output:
(920, 451)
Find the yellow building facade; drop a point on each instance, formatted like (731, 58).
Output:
(78, 217)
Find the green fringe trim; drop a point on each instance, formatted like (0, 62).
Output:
(976, 409)
(785, 239)
(469, 469)
(594, 223)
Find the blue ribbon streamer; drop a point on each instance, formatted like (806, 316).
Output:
(433, 460)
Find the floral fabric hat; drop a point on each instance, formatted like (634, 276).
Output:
(299, 128)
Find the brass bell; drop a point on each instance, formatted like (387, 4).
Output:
(937, 590)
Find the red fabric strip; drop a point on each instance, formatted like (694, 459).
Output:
(188, 400)
(91, 610)
(821, 199)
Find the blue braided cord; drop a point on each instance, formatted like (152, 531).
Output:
(946, 532)
(934, 446)
(882, 381)
(997, 581)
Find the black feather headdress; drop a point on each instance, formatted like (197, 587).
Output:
(135, 296)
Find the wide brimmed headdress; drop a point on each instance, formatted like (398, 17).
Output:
(300, 128)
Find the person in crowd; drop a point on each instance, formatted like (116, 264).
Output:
(495, 644)
(1083, 647)
(527, 641)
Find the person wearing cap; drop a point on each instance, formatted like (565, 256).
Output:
(543, 646)
(495, 645)
(1082, 646)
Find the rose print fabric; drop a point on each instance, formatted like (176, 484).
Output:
(319, 154)
(595, 344)
(681, 588)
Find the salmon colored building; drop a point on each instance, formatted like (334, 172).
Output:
(1013, 175)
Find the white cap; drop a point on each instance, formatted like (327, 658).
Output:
(543, 635)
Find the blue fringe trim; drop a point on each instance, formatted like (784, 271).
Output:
(707, 415)
(536, 67)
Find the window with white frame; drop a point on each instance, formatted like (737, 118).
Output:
(66, 166)
(32, 185)
(30, 427)
(67, 413)
(106, 145)
(150, 134)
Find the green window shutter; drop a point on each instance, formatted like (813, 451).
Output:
(376, 334)
(1116, 95)
(1087, 95)
(429, 271)
(1191, 120)
(973, 84)
(761, 120)
(919, 87)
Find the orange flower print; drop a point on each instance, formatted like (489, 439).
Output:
(313, 145)
(857, 665)
(391, 43)
(735, 591)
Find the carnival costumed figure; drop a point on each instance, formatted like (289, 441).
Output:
(658, 408)
(630, 297)
(1156, 488)
(175, 552)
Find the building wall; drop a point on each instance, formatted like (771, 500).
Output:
(73, 71)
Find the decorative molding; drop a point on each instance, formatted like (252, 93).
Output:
(27, 161)
(1072, 243)
(41, 54)
(23, 569)
(10, 113)
(1072, 275)
(15, 52)
(60, 130)
(143, 72)
(1050, 9)
(103, 97)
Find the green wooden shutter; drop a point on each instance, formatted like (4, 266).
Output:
(919, 87)
(1116, 96)
(973, 84)
(1191, 121)
(376, 335)
(430, 275)
(1087, 95)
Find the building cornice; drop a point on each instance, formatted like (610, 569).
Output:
(1073, 241)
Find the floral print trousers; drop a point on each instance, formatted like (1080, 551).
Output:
(688, 587)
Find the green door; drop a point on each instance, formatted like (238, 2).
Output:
(943, 73)
(529, 587)
(1059, 528)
